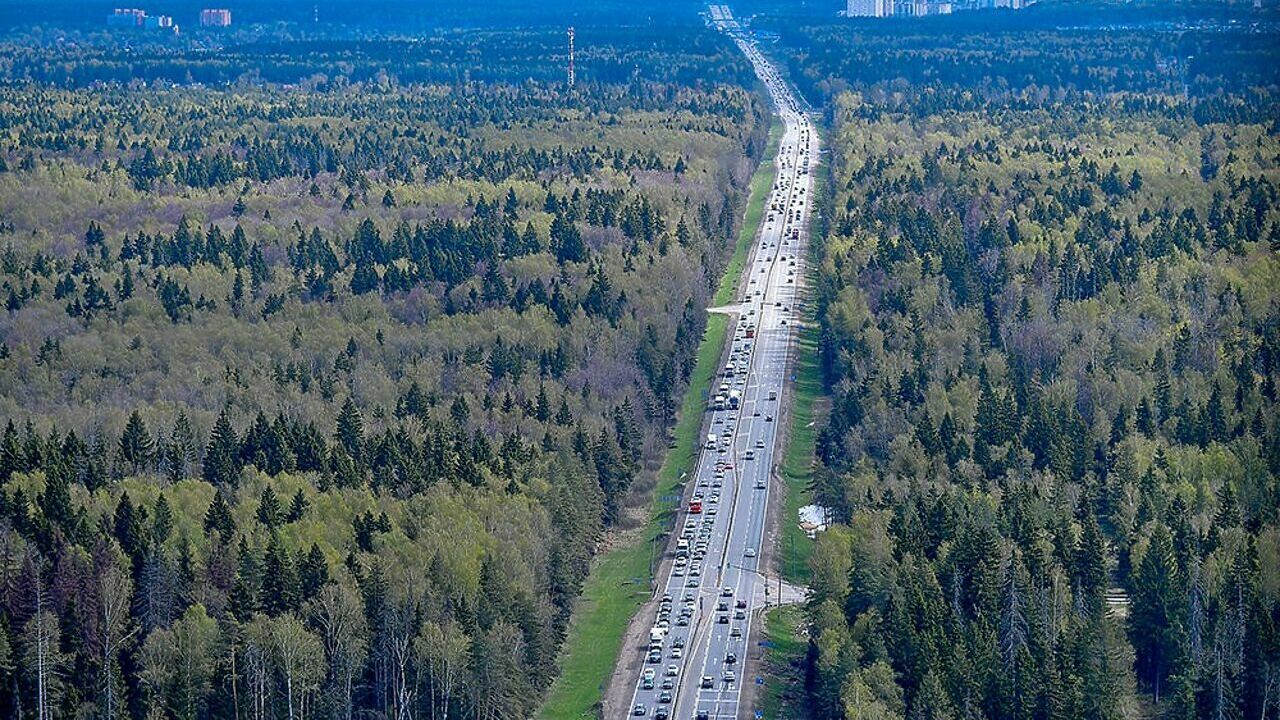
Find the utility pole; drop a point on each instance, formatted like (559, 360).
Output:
(653, 550)
(571, 75)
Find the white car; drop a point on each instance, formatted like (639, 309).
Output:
(750, 552)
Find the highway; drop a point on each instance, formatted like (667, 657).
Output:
(695, 654)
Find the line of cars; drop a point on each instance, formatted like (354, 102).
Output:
(771, 290)
(683, 599)
(770, 295)
(701, 632)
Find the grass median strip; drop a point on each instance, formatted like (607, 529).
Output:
(619, 580)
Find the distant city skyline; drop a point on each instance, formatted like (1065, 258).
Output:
(920, 8)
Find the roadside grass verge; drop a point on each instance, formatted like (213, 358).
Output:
(783, 696)
(798, 457)
(758, 193)
(620, 579)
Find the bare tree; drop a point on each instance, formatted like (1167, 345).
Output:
(115, 589)
(339, 615)
(444, 650)
(256, 655)
(299, 657)
(178, 663)
(41, 634)
(398, 642)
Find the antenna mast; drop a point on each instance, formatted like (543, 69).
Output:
(571, 76)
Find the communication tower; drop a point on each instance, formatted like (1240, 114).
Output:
(571, 77)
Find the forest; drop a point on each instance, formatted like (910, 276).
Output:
(1050, 326)
(326, 365)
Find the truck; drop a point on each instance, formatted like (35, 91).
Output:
(711, 441)
(735, 399)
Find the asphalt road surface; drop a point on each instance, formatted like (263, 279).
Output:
(694, 662)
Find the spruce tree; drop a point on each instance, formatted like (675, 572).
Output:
(161, 520)
(129, 529)
(1157, 613)
(269, 511)
(135, 443)
(297, 507)
(313, 572)
(350, 430)
(222, 456)
(280, 592)
(180, 452)
(218, 517)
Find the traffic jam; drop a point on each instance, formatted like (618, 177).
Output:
(698, 642)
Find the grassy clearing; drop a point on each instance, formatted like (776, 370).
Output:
(783, 693)
(620, 579)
